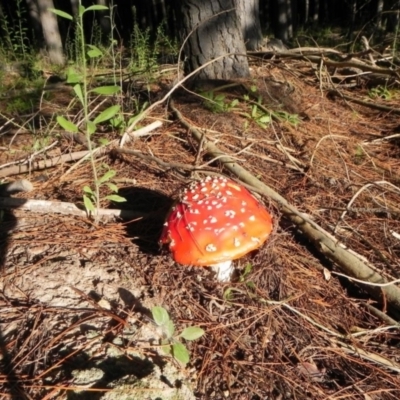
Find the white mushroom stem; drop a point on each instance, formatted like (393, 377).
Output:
(223, 270)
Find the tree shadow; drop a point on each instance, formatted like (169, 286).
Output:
(106, 373)
(154, 206)
(12, 384)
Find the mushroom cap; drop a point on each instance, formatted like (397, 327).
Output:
(215, 220)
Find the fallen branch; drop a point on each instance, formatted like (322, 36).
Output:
(369, 104)
(349, 261)
(43, 164)
(59, 207)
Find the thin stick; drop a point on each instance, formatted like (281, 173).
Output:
(58, 207)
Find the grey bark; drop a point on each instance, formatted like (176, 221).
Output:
(34, 15)
(104, 17)
(51, 32)
(315, 16)
(213, 30)
(379, 10)
(283, 24)
(248, 13)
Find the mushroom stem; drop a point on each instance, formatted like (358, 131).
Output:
(223, 270)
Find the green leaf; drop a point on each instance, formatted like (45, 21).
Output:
(106, 90)
(91, 127)
(254, 111)
(169, 329)
(116, 198)
(228, 294)
(81, 10)
(160, 315)
(78, 92)
(166, 348)
(107, 176)
(103, 141)
(73, 76)
(180, 353)
(96, 8)
(94, 51)
(265, 119)
(107, 114)
(192, 333)
(87, 189)
(67, 125)
(112, 186)
(88, 203)
(61, 13)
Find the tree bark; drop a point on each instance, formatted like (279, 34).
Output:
(248, 12)
(212, 29)
(51, 32)
(283, 25)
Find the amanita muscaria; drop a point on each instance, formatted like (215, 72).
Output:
(215, 221)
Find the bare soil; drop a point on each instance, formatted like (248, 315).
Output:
(75, 297)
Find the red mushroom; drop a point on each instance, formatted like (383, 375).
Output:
(214, 222)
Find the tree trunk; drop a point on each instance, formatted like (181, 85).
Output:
(283, 25)
(212, 29)
(35, 20)
(315, 13)
(104, 18)
(379, 10)
(248, 12)
(51, 32)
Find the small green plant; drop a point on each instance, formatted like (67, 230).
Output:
(171, 342)
(216, 102)
(15, 33)
(259, 116)
(380, 92)
(250, 285)
(79, 78)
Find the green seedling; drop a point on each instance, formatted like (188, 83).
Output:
(79, 79)
(259, 116)
(250, 285)
(380, 92)
(216, 102)
(171, 343)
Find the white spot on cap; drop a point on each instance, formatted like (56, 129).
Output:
(211, 248)
(172, 244)
(243, 210)
(209, 208)
(205, 221)
(204, 189)
(196, 196)
(252, 218)
(178, 214)
(255, 239)
(242, 224)
(236, 242)
(244, 203)
(229, 193)
(230, 214)
(213, 220)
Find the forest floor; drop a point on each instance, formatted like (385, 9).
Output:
(75, 297)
